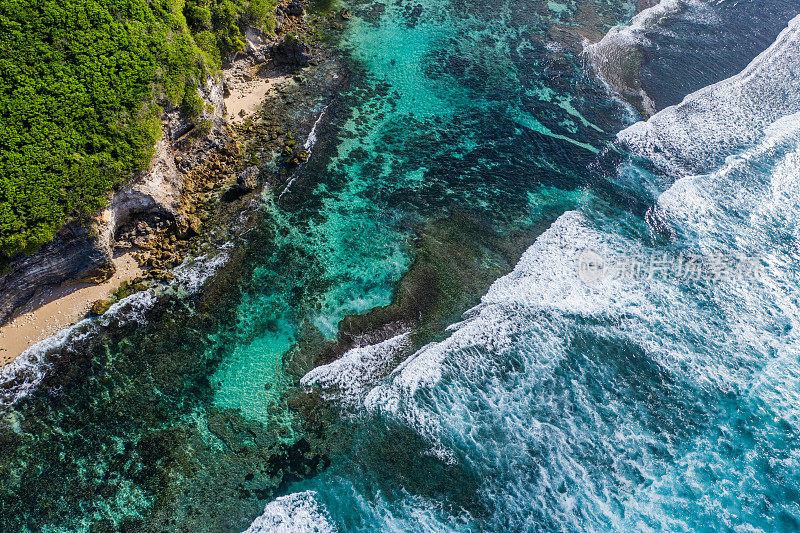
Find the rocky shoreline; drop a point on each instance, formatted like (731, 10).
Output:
(203, 176)
(154, 383)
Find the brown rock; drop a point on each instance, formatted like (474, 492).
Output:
(292, 51)
(248, 179)
(100, 274)
(100, 307)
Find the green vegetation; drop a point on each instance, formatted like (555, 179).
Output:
(80, 86)
(216, 24)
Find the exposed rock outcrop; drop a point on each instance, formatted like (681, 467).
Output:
(165, 202)
(76, 253)
(249, 179)
(158, 191)
(255, 44)
(292, 51)
(293, 8)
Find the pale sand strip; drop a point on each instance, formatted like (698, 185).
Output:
(246, 96)
(54, 309)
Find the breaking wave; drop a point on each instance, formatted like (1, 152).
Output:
(23, 375)
(718, 121)
(661, 400)
(679, 46)
(296, 513)
(617, 58)
(348, 378)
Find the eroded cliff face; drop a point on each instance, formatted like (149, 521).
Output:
(84, 251)
(76, 253)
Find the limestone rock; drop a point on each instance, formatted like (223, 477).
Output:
(82, 251)
(294, 8)
(100, 307)
(249, 179)
(76, 252)
(189, 226)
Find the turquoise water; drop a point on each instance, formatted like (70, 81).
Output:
(655, 403)
(412, 139)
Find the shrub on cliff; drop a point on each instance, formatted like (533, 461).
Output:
(80, 83)
(223, 19)
(77, 103)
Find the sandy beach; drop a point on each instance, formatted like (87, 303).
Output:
(247, 91)
(55, 308)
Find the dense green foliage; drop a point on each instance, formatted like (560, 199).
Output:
(216, 24)
(80, 83)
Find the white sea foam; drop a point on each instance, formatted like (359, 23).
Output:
(296, 513)
(410, 512)
(633, 33)
(312, 135)
(734, 338)
(309, 144)
(347, 378)
(609, 405)
(610, 56)
(193, 272)
(545, 278)
(725, 118)
(23, 375)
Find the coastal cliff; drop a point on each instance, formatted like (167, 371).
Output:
(83, 250)
(194, 149)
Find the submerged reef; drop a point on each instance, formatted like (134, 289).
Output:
(435, 175)
(122, 422)
(456, 259)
